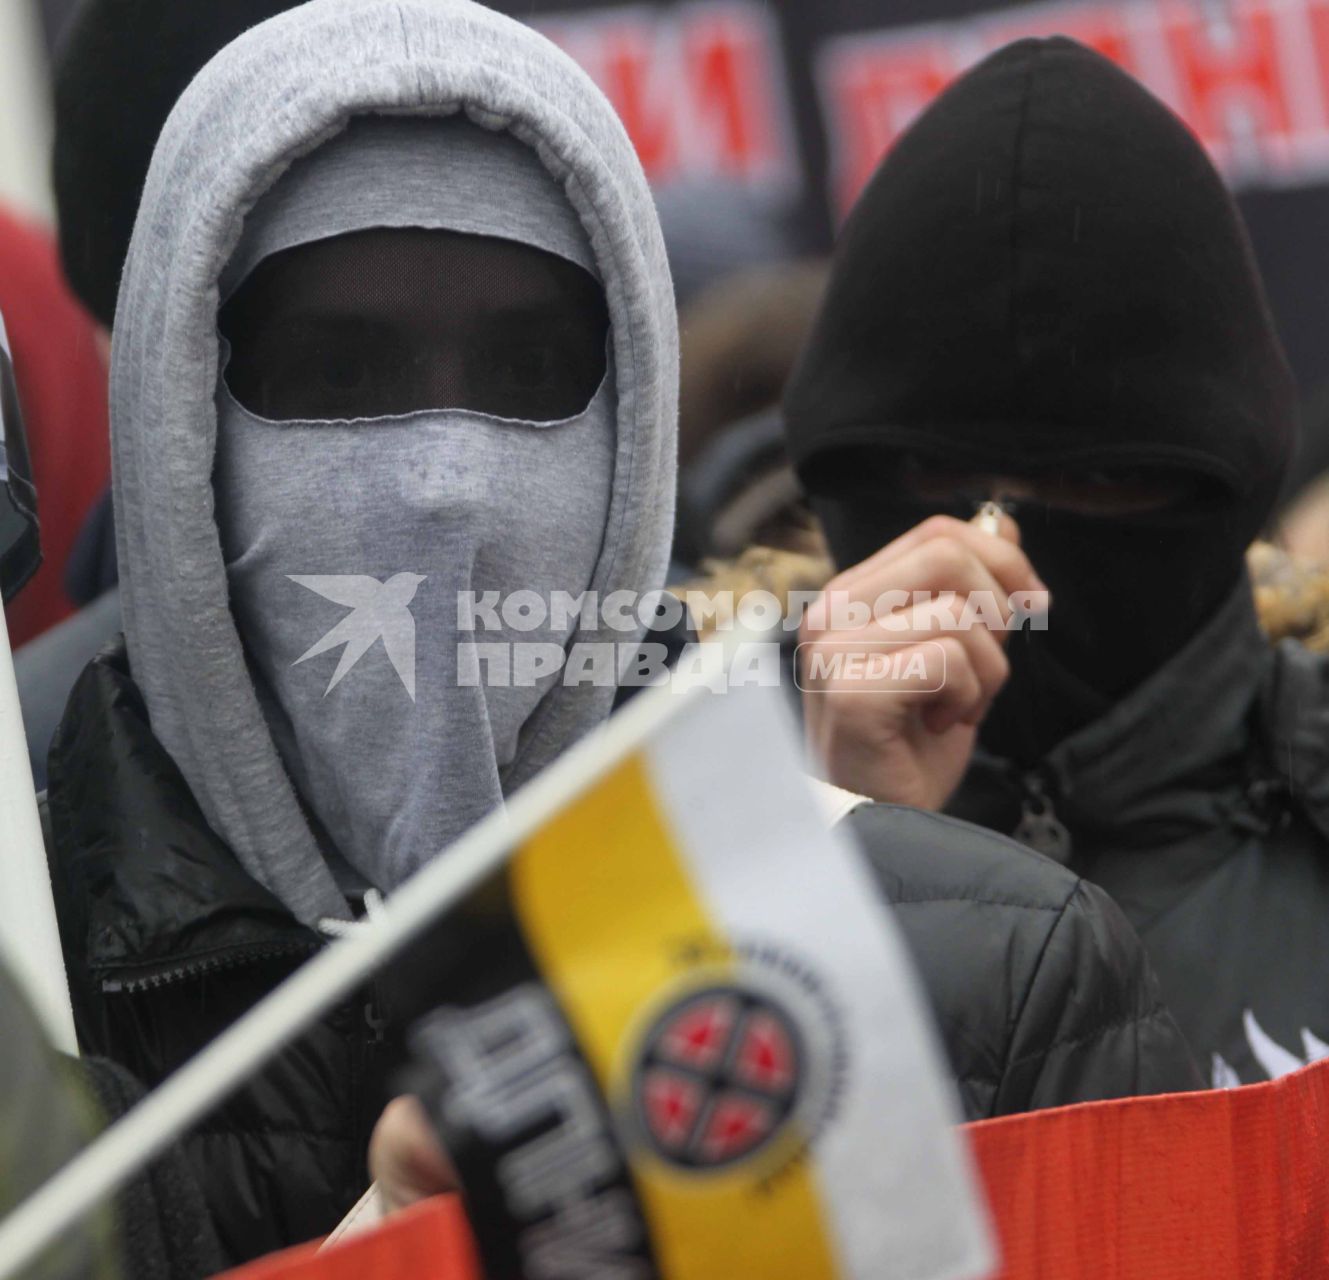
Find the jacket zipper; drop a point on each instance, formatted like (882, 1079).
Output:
(1039, 827)
(369, 1047)
(234, 959)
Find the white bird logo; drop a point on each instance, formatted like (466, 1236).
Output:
(380, 610)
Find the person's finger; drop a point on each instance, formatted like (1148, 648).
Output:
(951, 692)
(1000, 553)
(986, 654)
(960, 700)
(406, 1158)
(966, 672)
(960, 584)
(949, 679)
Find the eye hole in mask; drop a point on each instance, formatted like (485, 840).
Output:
(1140, 495)
(1132, 493)
(390, 321)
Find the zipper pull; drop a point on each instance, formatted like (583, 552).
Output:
(374, 1020)
(1039, 826)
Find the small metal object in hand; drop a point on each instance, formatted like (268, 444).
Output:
(988, 517)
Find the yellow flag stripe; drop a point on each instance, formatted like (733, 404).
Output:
(616, 926)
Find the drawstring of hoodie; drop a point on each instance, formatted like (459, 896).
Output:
(331, 927)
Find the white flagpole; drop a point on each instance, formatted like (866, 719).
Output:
(29, 935)
(248, 1043)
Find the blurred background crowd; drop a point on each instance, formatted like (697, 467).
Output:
(757, 121)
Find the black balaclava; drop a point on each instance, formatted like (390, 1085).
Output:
(1046, 278)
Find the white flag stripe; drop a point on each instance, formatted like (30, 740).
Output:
(895, 1178)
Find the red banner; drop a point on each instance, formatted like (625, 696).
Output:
(429, 1242)
(1227, 1185)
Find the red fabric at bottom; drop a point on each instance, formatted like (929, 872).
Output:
(1227, 1185)
(431, 1241)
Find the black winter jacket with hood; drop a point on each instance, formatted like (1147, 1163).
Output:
(1201, 803)
(167, 941)
(1046, 279)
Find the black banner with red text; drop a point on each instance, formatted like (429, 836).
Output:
(780, 109)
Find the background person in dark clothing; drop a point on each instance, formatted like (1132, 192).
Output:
(1046, 296)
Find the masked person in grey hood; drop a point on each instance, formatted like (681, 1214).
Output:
(417, 306)
(395, 331)
(1047, 297)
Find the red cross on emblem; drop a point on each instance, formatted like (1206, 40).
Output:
(717, 1077)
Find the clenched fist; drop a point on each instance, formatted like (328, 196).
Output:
(935, 605)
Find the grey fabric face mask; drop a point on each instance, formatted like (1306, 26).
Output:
(406, 416)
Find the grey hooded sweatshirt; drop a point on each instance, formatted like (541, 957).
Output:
(186, 873)
(279, 92)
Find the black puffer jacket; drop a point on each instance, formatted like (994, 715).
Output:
(1041, 990)
(1201, 804)
(167, 940)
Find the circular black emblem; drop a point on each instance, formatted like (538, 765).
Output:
(717, 1077)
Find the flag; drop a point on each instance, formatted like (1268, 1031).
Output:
(667, 1027)
(679, 1037)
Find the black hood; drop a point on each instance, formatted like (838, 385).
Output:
(1047, 278)
(1047, 267)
